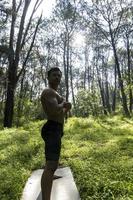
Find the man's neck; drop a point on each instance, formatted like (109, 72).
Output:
(54, 87)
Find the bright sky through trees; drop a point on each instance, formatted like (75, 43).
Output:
(46, 6)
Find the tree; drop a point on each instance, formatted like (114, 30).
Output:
(87, 103)
(66, 11)
(127, 33)
(15, 48)
(105, 15)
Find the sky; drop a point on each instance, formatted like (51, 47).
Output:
(46, 6)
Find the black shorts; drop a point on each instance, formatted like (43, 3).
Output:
(51, 133)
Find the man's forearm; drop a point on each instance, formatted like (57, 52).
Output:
(58, 109)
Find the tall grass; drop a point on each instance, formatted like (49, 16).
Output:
(100, 153)
(21, 151)
(98, 150)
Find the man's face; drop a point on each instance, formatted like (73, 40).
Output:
(55, 77)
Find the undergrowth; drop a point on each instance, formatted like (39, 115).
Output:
(98, 150)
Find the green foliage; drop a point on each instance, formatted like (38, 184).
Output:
(98, 150)
(30, 110)
(21, 151)
(87, 103)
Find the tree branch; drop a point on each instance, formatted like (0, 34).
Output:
(11, 50)
(29, 23)
(116, 30)
(18, 45)
(30, 49)
(20, 2)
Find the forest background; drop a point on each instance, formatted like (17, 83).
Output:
(92, 43)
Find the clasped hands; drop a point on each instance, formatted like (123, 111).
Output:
(67, 106)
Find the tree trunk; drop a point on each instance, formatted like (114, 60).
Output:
(43, 76)
(84, 82)
(88, 78)
(105, 87)
(32, 79)
(102, 96)
(114, 93)
(2, 101)
(67, 70)
(107, 96)
(8, 114)
(20, 101)
(64, 63)
(124, 99)
(13, 58)
(73, 98)
(129, 76)
(101, 92)
(86, 67)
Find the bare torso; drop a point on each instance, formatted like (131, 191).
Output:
(52, 105)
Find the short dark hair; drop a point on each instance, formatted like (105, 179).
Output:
(52, 70)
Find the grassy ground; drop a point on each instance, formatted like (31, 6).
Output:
(99, 152)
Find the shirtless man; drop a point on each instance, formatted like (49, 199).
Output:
(55, 108)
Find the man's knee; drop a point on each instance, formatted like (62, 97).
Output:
(51, 165)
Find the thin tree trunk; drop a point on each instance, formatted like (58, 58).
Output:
(124, 99)
(88, 77)
(107, 96)
(84, 83)
(86, 66)
(101, 91)
(64, 62)
(67, 69)
(71, 78)
(9, 105)
(20, 101)
(129, 76)
(114, 93)
(43, 76)
(31, 90)
(102, 96)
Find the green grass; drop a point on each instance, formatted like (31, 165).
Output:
(99, 152)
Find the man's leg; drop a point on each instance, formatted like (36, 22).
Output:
(47, 179)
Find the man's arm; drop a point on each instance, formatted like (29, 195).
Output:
(49, 101)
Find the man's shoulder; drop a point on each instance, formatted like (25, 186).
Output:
(48, 92)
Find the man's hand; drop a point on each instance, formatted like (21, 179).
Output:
(67, 106)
